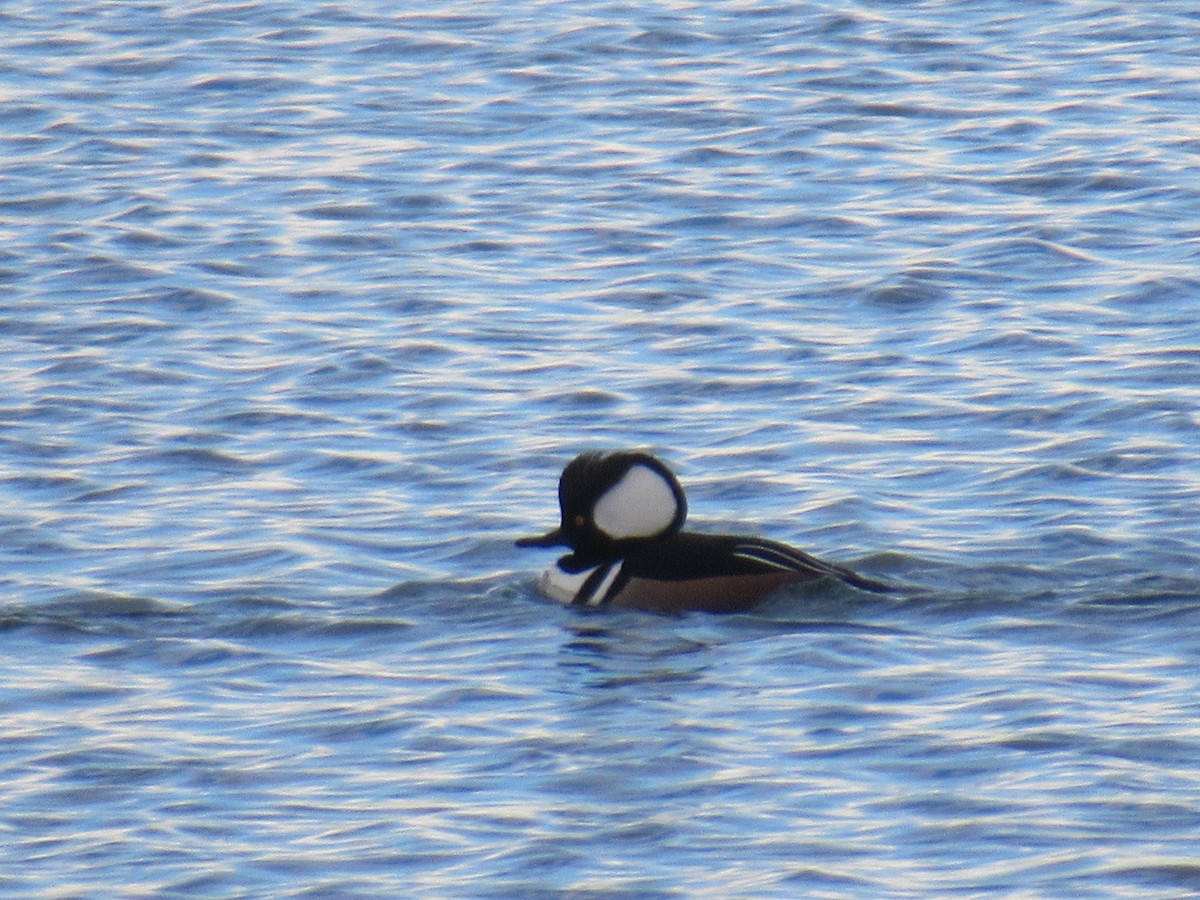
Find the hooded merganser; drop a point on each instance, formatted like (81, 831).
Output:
(622, 515)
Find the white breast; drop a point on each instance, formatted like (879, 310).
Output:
(564, 586)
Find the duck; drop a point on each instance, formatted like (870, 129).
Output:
(621, 517)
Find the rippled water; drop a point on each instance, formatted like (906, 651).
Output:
(305, 306)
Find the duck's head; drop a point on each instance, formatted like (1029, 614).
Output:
(609, 501)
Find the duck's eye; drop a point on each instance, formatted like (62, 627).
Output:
(580, 521)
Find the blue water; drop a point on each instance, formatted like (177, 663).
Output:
(305, 305)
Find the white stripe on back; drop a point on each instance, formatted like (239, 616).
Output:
(786, 559)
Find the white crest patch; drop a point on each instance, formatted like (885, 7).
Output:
(641, 504)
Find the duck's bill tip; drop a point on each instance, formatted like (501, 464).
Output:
(549, 539)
